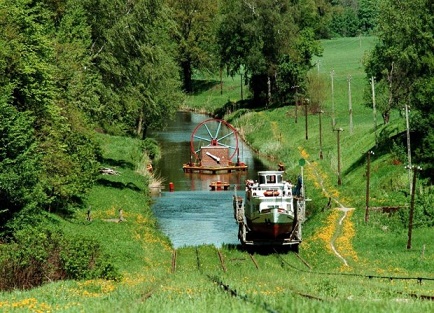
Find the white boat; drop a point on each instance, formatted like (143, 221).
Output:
(271, 211)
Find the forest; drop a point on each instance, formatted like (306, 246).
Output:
(75, 68)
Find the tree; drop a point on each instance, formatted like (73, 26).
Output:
(353, 17)
(345, 22)
(32, 84)
(367, 15)
(268, 39)
(134, 57)
(19, 163)
(195, 36)
(404, 61)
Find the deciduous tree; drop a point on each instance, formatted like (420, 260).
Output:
(194, 35)
(134, 56)
(273, 41)
(403, 60)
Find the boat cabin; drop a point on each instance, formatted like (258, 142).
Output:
(270, 177)
(270, 184)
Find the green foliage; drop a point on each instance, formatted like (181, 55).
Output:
(134, 57)
(268, 39)
(70, 168)
(398, 152)
(194, 22)
(403, 63)
(71, 72)
(345, 23)
(81, 259)
(352, 18)
(152, 149)
(423, 209)
(40, 254)
(40, 76)
(19, 163)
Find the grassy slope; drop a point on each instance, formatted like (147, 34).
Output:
(143, 254)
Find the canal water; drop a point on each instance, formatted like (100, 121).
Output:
(192, 214)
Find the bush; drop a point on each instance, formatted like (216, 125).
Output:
(39, 255)
(151, 148)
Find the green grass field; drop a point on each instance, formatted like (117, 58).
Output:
(379, 274)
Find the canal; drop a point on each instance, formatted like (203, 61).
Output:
(192, 214)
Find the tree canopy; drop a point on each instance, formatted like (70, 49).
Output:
(69, 67)
(194, 35)
(270, 41)
(403, 63)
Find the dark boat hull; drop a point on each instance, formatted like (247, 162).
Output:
(269, 230)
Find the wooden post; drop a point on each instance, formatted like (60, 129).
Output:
(320, 134)
(296, 100)
(121, 215)
(332, 74)
(407, 122)
(415, 169)
(241, 86)
(350, 105)
(306, 102)
(338, 130)
(374, 108)
(368, 174)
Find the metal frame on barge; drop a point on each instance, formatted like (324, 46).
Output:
(199, 168)
(213, 146)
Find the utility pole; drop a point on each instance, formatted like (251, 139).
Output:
(368, 175)
(350, 105)
(332, 74)
(408, 146)
(241, 74)
(320, 134)
(415, 169)
(306, 102)
(374, 108)
(338, 130)
(296, 100)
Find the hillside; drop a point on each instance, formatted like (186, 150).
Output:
(344, 264)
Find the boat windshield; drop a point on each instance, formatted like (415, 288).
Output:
(270, 179)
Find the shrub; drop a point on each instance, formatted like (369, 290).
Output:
(151, 148)
(38, 255)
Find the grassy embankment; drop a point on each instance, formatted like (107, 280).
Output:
(144, 255)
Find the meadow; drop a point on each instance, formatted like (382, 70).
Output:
(379, 274)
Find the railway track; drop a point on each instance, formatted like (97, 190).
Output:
(298, 271)
(222, 267)
(224, 264)
(220, 259)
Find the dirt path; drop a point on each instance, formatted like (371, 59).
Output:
(341, 207)
(338, 231)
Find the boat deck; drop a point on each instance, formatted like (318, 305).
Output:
(218, 185)
(213, 169)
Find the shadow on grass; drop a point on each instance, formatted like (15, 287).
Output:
(238, 109)
(262, 250)
(117, 163)
(118, 185)
(384, 146)
(201, 85)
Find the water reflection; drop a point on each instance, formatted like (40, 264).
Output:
(193, 214)
(195, 218)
